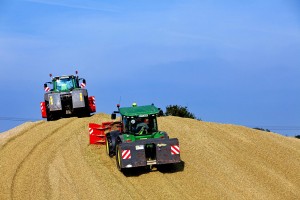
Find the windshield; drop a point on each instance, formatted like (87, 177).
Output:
(64, 84)
(140, 125)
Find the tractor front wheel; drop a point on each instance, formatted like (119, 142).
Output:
(109, 151)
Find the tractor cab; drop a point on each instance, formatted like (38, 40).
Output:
(138, 120)
(65, 83)
(139, 125)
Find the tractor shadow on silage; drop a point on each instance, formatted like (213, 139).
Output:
(171, 168)
(167, 168)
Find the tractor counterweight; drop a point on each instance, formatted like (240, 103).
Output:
(162, 153)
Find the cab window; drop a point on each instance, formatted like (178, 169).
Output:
(64, 84)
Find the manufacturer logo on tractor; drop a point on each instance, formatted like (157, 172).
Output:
(139, 147)
(161, 145)
(175, 149)
(126, 154)
(144, 115)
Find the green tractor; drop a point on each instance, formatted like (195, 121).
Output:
(67, 97)
(138, 142)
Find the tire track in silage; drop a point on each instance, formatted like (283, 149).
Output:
(7, 161)
(31, 152)
(26, 130)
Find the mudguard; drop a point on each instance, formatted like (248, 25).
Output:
(43, 109)
(54, 102)
(92, 104)
(78, 98)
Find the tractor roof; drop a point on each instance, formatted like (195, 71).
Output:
(139, 110)
(63, 77)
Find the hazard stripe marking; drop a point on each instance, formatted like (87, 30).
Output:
(42, 106)
(91, 131)
(175, 149)
(126, 154)
(47, 89)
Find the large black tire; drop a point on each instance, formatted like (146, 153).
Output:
(86, 111)
(109, 147)
(53, 116)
(87, 114)
(50, 115)
(111, 138)
(118, 158)
(82, 112)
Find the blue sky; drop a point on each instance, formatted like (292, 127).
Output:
(234, 62)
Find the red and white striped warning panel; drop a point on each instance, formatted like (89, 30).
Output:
(126, 154)
(43, 110)
(175, 149)
(91, 131)
(47, 89)
(82, 85)
(92, 104)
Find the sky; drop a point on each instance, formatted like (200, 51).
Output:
(229, 62)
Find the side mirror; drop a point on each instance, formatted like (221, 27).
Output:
(160, 112)
(83, 80)
(45, 85)
(113, 116)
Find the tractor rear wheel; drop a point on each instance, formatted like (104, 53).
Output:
(118, 158)
(50, 116)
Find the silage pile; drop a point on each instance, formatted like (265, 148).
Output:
(53, 160)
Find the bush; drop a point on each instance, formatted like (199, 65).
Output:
(297, 136)
(262, 129)
(180, 111)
